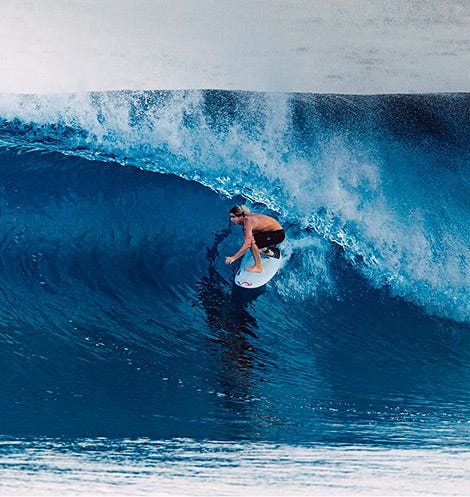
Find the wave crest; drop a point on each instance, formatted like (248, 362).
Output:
(384, 177)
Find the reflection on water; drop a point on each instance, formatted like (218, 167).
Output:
(230, 316)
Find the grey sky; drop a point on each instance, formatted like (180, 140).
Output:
(329, 46)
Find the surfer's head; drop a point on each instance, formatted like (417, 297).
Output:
(239, 210)
(237, 213)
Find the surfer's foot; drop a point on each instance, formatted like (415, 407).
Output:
(272, 252)
(255, 269)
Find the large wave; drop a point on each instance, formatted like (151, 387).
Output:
(384, 177)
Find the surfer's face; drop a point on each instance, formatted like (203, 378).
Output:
(236, 219)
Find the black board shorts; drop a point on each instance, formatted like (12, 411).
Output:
(268, 238)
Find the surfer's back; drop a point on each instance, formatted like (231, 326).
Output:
(262, 222)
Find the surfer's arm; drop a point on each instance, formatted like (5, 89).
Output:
(249, 240)
(243, 249)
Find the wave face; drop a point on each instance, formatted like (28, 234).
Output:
(385, 177)
(118, 316)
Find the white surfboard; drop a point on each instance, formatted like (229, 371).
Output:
(247, 279)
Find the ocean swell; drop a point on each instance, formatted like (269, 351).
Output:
(384, 177)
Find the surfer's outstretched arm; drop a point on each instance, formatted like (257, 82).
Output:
(247, 243)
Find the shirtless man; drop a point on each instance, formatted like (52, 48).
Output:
(260, 233)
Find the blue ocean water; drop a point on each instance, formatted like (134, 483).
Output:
(119, 321)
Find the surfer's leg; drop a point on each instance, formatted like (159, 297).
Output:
(267, 240)
(258, 267)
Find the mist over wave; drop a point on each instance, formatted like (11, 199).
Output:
(384, 177)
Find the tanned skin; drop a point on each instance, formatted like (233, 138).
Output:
(252, 223)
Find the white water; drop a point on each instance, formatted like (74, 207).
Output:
(186, 467)
(339, 46)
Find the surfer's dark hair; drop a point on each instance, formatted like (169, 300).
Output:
(239, 210)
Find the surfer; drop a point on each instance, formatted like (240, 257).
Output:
(261, 232)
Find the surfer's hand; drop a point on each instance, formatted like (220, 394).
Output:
(229, 260)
